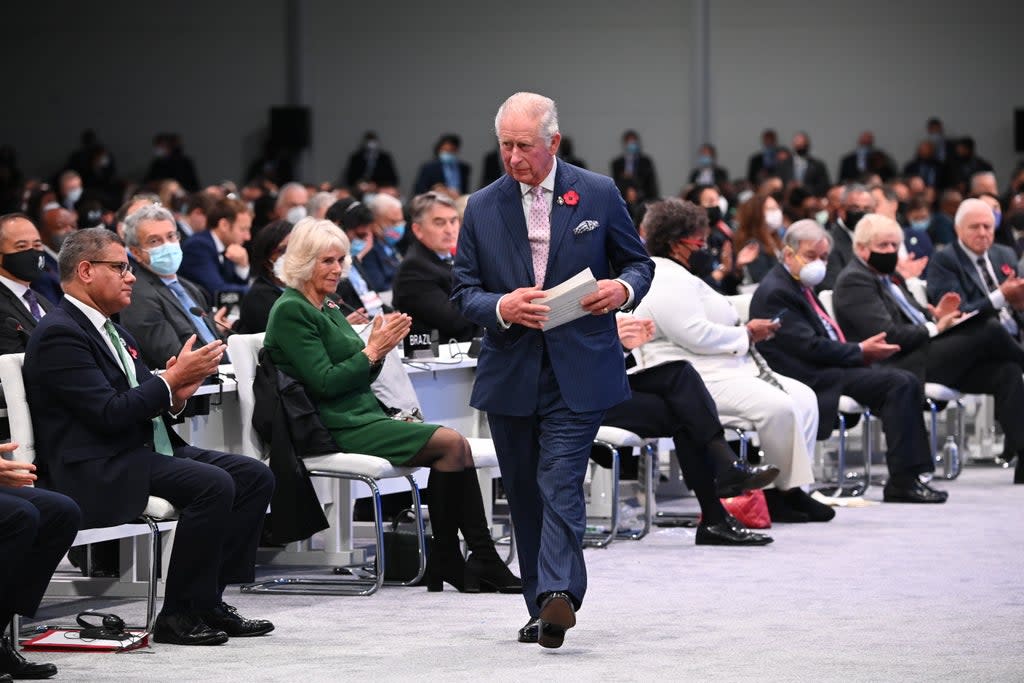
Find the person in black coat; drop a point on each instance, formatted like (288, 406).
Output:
(446, 172)
(370, 167)
(21, 252)
(810, 346)
(423, 284)
(170, 162)
(707, 171)
(268, 246)
(801, 167)
(634, 169)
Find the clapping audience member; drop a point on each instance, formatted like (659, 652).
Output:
(634, 169)
(695, 323)
(445, 172)
(36, 529)
(166, 310)
(92, 396)
(21, 264)
(217, 259)
(979, 357)
(309, 339)
(424, 281)
(759, 224)
(671, 399)
(811, 347)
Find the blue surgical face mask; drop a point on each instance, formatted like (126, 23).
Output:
(705, 160)
(394, 234)
(632, 147)
(921, 225)
(357, 246)
(165, 259)
(446, 157)
(998, 215)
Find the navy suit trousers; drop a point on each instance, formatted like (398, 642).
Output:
(36, 528)
(543, 459)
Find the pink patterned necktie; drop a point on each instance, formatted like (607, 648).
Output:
(538, 230)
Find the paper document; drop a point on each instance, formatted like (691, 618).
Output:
(961, 320)
(564, 299)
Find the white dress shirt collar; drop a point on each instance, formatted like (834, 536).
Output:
(548, 183)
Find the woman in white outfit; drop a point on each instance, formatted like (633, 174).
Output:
(695, 323)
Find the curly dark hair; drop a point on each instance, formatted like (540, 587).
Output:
(670, 220)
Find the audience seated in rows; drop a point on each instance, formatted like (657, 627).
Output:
(216, 259)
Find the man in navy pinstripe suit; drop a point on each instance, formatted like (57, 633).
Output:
(545, 393)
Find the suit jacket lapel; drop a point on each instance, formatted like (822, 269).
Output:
(561, 214)
(19, 312)
(511, 209)
(93, 334)
(971, 267)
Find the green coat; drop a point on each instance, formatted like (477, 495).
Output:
(320, 349)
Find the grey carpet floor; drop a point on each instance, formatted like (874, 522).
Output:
(885, 593)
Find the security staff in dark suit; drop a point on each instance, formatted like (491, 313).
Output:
(810, 346)
(446, 172)
(160, 316)
(806, 170)
(36, 528)
(978, 357)
(635, 169)
(103, 438)
(423, 284)
(984, 274)
(370, 167)
(21, 264)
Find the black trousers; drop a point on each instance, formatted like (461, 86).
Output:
(36, 529)
(222, 499)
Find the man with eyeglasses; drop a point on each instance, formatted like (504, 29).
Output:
(104, 438)
(166, 309)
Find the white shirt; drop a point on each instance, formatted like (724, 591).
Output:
(239, 270)
(996, 296)
(19, 291)
(98, 320)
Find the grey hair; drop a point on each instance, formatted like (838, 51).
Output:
(806, 230)
(854, 188)
(285, 189)
(870, 225)
(144, 214)
(321, 200)
(533, 106)
(308, 239)
(86, 244)
(382, 202)
(968, 205)
(422, 203)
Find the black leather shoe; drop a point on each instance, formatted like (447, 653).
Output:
(912, 491)
(490, 574)
(723, 533)
(186, 628)
(739, 477)
(15, 666)
(226, 618)
(557, 615)
(529, 633)
(801, 501)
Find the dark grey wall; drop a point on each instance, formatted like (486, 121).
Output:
(210, 70)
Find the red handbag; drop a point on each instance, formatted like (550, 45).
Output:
(750, 509)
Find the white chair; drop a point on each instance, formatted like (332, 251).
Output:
(950, 456)
(612, 439)
(158, 515)
(368, 469)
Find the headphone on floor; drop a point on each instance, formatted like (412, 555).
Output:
(111, 628)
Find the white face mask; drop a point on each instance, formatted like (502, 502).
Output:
(295, 214)
(811, 274)
(723, 205)
(279, 268)
(773, 218)
(821, 217)
(74, 194)
(346, 266)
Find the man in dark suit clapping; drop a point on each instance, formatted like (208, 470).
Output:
(545, 391)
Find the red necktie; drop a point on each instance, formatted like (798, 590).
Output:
(823, 315)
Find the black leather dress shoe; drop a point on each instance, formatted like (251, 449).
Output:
(557, 615)
(912, 491)
(15, 666)
(739, 477)
(1018, 472)
(226, 618)
(186, 628)
(724, 533)
(529, 633)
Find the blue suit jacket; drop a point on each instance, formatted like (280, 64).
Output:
(48, 283)
(201, 264)
(90, 425)
(432, 173)
(953, 270)
(494, 258)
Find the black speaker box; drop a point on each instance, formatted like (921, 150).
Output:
(291, 126)
(1018, 130)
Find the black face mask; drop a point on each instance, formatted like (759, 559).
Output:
(801, 151)
(702, 262)
(883, 263)
(853, 217)
(714, 215)
(25, 265)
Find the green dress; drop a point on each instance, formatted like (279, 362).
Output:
(320, 349)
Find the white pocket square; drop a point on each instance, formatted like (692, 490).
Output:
(585, 226)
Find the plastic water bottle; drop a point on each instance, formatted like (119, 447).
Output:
(951, 458)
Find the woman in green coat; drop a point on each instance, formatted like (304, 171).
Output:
(308, 338)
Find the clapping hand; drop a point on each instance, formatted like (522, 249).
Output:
(385, 334)
(13, 473)
(634, 332)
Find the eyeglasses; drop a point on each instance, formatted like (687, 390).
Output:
(122, 267)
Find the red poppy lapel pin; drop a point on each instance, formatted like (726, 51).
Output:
(331, 304)
(134, 352)
(1007, 269)
(570, 198)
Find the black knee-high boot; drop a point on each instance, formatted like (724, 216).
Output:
(445, 562)
(484, 569)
